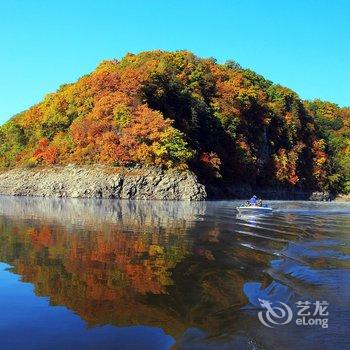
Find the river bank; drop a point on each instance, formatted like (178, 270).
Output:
(148, 183)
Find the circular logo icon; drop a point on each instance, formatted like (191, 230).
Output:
(279, 314)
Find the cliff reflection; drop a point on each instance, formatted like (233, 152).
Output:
(97, 213)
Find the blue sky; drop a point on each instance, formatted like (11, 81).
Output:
(302, 44)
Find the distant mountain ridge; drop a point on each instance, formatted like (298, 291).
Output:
(174, 110)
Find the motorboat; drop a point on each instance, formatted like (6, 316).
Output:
(254, 209)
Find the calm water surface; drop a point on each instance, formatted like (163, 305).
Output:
(85, 274)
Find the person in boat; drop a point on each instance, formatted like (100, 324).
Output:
(253, 201)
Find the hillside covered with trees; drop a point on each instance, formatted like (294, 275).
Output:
(172, 109)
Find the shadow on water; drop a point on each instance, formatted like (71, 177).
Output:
(161, 275)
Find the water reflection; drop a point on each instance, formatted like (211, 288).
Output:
(192, 270)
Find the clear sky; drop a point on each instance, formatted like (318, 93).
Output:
(302, 44)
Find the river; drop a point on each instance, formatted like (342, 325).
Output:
(105, 274)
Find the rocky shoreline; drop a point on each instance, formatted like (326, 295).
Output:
(147, 183)
(271, 193)
(343, 198)
(100, 181)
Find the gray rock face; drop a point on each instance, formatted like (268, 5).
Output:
(100, 181)
(320, 196)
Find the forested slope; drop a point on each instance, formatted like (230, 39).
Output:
(173, 109)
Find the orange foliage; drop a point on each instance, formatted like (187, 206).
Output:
(176, 110)
(286, 164)
(320, 160)
(210, 160)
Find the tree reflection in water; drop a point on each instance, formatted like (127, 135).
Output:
(144, 263)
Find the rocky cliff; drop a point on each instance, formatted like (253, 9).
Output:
(100, 181)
